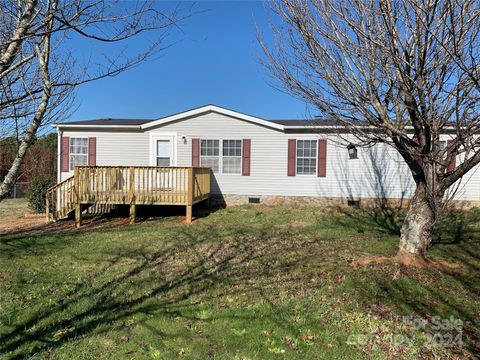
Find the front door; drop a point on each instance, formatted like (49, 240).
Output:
(165, 178)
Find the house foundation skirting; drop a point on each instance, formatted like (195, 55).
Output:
(287, 201)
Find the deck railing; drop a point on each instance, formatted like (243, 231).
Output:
(131, 185)
(60, 200)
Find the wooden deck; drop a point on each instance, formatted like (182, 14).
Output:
(128, 185)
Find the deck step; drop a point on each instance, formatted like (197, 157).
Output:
(60, 200)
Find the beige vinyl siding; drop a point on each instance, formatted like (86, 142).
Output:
(115, 148)
(269, 152)
(378, 172)
(468, 188)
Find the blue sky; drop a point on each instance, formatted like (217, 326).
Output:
(214, 59)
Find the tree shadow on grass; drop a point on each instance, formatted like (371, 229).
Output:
(458, 226)
(163, 281)
(47, 236)
(456, 239)
(193, 261)
(455, 226)
(429, 293)
(379, 216)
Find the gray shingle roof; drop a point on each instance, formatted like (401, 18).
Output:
(136, 122)
(108, 121)
(314, 122)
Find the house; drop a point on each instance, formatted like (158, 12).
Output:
(251, 159)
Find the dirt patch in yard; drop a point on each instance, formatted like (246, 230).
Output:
(13, 224)
(15, 216)
(406, 260)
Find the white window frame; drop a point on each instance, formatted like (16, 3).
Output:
(315, 152)
(172, 137)
(444, 142)
(229, 156)
(220, 156)
(71, 164)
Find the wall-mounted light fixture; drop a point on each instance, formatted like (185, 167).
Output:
(352, 151)
(184, 139)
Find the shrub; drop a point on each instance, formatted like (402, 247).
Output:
(36, 193)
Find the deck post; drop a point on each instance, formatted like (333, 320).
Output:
(78, 206)
(133, 206)
(188, 218)
(133, 213)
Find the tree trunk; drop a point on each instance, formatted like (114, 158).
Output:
(417, 228)
(9, 181)
(43, 55)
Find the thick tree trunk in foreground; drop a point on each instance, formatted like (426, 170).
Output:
(417, 228)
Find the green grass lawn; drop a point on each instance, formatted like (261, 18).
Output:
(249, 282)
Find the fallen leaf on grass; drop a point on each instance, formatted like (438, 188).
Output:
(267, 333)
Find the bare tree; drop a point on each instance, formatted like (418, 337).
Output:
(40, 66)
(400, 72)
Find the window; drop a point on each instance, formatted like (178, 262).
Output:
(232, 157)
(442, 144)
(352, 152)
(230, 152)
(210, 154)
(164, 152)
(78, 152)
(306, 157)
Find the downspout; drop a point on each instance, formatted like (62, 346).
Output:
(59, 146)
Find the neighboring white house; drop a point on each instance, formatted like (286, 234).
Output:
(252, 159)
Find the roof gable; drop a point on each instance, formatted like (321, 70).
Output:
(211, 108)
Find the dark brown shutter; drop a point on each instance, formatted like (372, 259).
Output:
(92, 151)
(453, 163)
(292, 157)
(322, 158)
(195, 152)
(246, 157)
(64, 154)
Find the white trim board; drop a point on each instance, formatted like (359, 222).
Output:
(153, 148)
